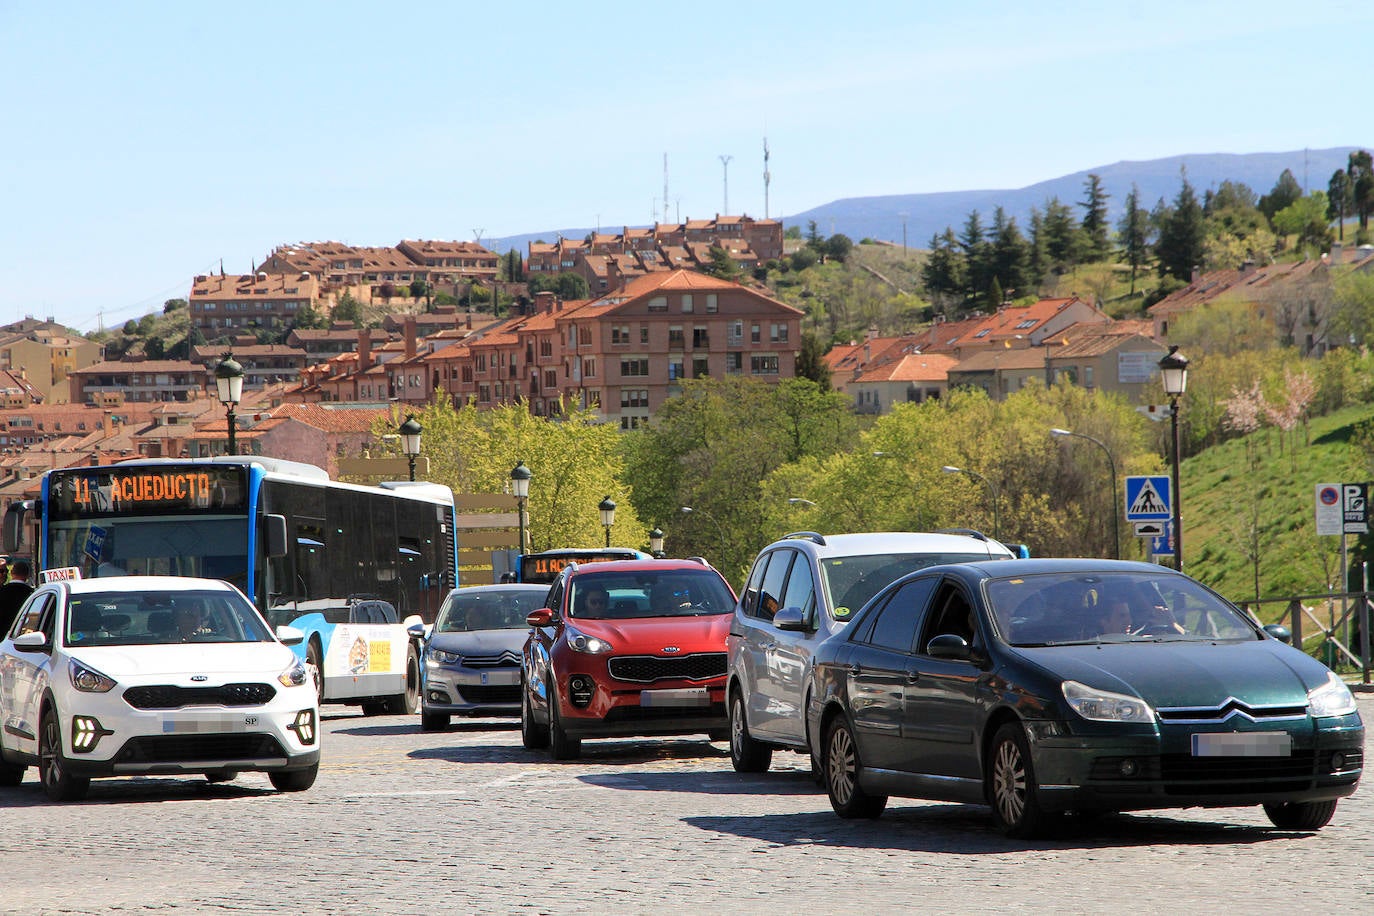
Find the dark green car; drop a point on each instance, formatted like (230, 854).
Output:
(1045, 686)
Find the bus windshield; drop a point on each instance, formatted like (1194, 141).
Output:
(205, 546)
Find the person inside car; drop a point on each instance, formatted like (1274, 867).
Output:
(190, 622)
(1113, 617)
(595, 603)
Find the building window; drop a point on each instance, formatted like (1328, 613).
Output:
(620, 335)
(754, 335)
(763, 365)
(658, 304)
(675, 338)
(643, 333)
(545, 347)
(589, 367)
(675, 369)
(686, 303)
(481, 361)
(700, 337)
(734, 362)
(631, 368)
(700, 367)
(778, 333)
(734, 336)
(711, 306)
(584, 337)
(484, 394)
(634, 397)
(550, 379)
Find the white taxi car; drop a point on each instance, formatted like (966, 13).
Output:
(152, 675)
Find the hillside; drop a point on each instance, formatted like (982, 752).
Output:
(928, 214)
(1233, 504)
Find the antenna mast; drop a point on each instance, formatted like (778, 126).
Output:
(767, 177)
(725, 166)
(665, 188)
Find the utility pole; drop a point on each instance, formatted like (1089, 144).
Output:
(725, 163)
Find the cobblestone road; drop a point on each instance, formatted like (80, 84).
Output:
(405, 822)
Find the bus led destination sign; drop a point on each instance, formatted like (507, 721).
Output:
(144, 489)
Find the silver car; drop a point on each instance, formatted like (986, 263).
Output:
(801, 590)
(470, 658)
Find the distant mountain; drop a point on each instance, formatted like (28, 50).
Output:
(928, 214)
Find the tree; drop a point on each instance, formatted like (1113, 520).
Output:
(942, 274)
(1305, 220)
(1094, 204)
(130, 328)
(513, 266)
(1010, 256)
(155, 347)
(977, 256)
(811, 362)
(813, 236)
(172, 305)
(1286, 191)
(347, 308)
(838, 246)
(1338, 200)
(1063, 238)
(722, 265)
(307, 316)
(565, 285)
(1181, 234)
(1133, 233)
(576, 461)
(1361, 179)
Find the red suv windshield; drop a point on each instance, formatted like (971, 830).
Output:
(666, 593)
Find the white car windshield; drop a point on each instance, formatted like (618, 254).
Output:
(156, 618)
(1064, 608)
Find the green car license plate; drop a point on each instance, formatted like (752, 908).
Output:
(1242, 744)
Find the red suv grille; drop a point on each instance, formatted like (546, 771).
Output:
(644, 669)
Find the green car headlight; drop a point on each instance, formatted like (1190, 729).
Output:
(1332, 698)
(1105, 706)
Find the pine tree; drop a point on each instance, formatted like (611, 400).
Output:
(1338, 200)
(1094, 204)
(1010, 255)
(1133, 232)
(977, 256)
(1182, 231)
(1285, 193)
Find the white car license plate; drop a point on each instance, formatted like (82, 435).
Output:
(1242, 744)
(500, 678)
(687, 696)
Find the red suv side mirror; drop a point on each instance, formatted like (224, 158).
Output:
(543, 617)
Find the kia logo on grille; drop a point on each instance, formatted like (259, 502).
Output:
(671, 649)
(199, 677)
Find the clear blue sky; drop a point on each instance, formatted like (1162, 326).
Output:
(146, 141)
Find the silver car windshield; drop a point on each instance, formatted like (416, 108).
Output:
(1066, 608)
(478, 610)
(162, 618)
(851, 581)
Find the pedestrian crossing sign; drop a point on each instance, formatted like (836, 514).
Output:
(1148, 498)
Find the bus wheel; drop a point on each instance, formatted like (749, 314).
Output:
(315, 662)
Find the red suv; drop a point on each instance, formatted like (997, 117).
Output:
(628, 647)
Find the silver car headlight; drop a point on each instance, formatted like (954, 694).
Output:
(294, 676)
(1332, 698)
(88, 680)
(440, 657)
(1105, 706)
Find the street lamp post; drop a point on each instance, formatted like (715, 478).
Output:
(1173, 368)
(1111, 463)
(410, 432)
(688, 510)
(607, 507)
(229, 387)
(656, 542)
(520, 486)
(992, 491)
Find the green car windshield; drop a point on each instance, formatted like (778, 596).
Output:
(1066, 608)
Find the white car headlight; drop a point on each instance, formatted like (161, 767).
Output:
(440, 657)
(294, 676)
(88, 680)
(1332, 698)
(581, 642)
(1105, 706)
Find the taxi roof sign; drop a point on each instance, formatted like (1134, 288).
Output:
(60, 574)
